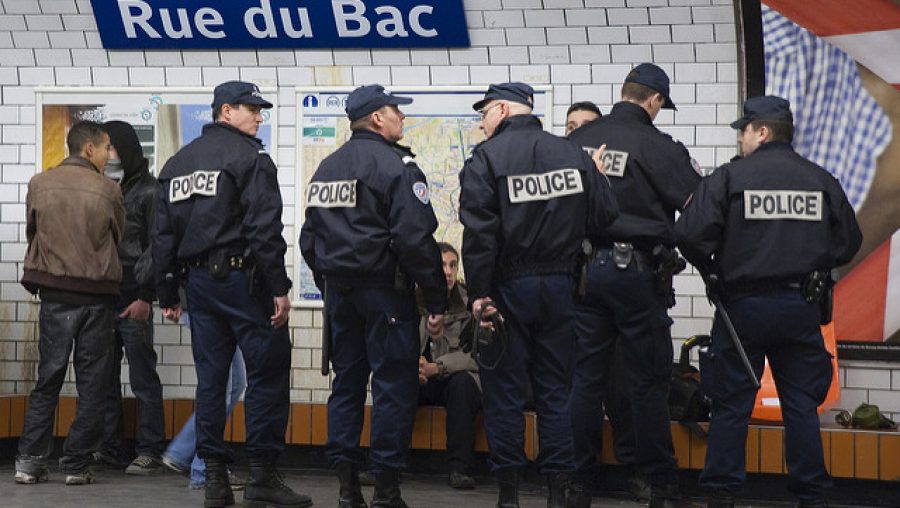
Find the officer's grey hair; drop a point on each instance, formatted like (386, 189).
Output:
(517, 108)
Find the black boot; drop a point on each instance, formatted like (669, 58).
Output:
(218, 491)
(266, 488)
(720, 499)
(351, 494)
(558, 484)
(387, 490)
(666, 496)
(580, 491)
(508, 481)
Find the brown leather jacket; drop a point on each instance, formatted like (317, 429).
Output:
(75, 218)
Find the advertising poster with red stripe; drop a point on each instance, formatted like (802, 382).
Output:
(837, 62)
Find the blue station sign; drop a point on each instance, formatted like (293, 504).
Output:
(259, 24)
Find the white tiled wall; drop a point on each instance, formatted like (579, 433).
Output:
(583, 48)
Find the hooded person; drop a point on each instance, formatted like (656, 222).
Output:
(134, 327)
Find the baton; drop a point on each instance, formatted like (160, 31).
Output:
(326, 334)
(720, 308)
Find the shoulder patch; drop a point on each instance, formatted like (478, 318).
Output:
(420, 191)
(202, 183)
(407, 159)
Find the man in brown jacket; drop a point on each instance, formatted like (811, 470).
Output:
(75, 218)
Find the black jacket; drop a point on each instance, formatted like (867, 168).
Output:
(368, 210)
(139, 192)
(528, 199)
(651, 174)
(219, 192)
(770, 215)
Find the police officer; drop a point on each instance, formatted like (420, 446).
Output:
(771, 226)
(528, 200)
(219, 217)
(367, 238)
(629, 283)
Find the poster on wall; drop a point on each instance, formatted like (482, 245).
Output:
(846, 105)
(441, 128)
(165, 119)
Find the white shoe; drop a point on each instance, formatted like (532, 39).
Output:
(24, 478)
(83, 478)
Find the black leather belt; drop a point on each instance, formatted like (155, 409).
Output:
(233, 262)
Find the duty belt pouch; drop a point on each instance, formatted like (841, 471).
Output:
(218, 264)
(622, 254)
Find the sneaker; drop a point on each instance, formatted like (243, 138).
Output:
(144, 465)
(174, 466)
(460, 481)
(83, 478)
(31, 478)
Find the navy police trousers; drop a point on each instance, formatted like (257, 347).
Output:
(373, 330)
(622, 310)
(539, 316)
(223, 315)
(784, 328)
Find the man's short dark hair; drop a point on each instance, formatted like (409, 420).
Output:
(781, 131)
(637, 92)
(82, 133)
(446, 247)
(584, 106)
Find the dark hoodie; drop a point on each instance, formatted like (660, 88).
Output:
(139, 189)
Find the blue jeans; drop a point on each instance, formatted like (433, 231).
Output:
(88, 329)
(182, 449)
(136, 337)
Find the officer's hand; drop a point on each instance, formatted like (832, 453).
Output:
(435, 325)
(598, 159)
(489, 309)
(282, 309)
(139, 310)
(172, 313)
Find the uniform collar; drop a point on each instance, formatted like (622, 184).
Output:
(223, 125)
(631, 111)
(774, 145)
(374, 136)
(519, 122)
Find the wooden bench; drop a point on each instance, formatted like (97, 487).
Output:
(849, 453)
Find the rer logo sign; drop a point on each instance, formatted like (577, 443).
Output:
(197, 24)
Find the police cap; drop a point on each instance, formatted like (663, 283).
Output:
(369, 98)
(515, 92)
(769, 107)
(654, 78)
(239, 92)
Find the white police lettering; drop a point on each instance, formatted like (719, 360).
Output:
(202, 183)
(339, 194)
(614, 161)
(544, 186)
(783, 204)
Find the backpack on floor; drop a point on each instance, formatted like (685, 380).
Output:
(687, 402)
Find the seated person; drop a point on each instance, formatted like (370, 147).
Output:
(581, 113)
(449, 376)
